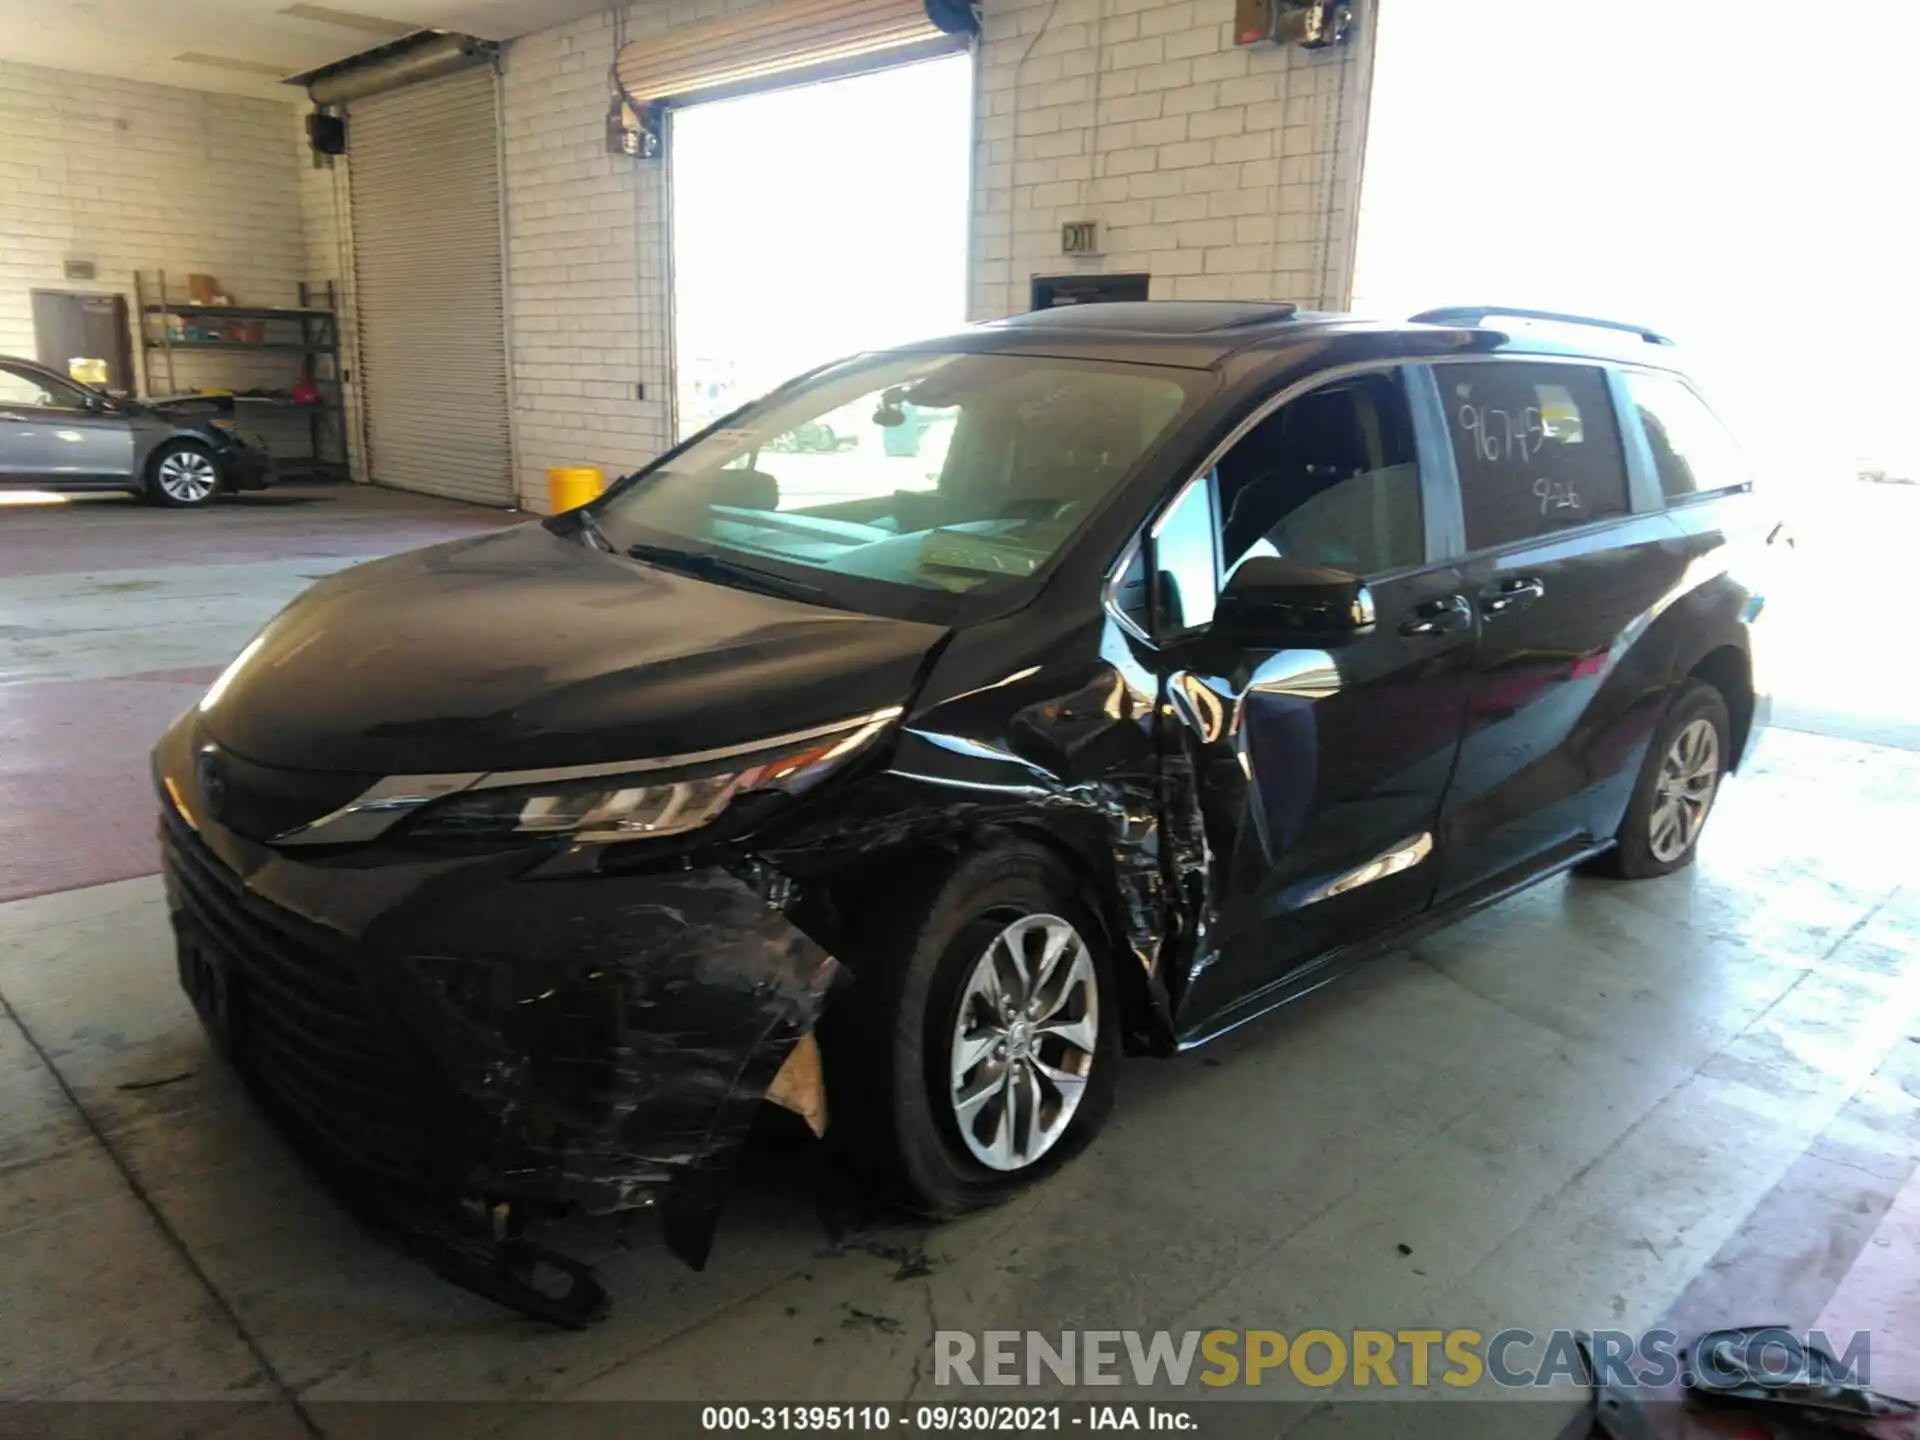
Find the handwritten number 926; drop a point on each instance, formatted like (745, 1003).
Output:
(1556, 495)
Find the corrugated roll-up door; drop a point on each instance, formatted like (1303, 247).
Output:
(762, 46)
(424, 164)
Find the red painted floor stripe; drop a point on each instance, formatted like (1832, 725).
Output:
(76, 805)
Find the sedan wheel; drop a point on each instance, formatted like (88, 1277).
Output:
(1689, 776)
(1024, 1042)
(187, 476)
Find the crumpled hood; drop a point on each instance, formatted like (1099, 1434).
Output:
(187, 407)
(523, 649)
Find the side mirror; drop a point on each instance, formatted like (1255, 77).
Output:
(745, 490)
(1272, 601)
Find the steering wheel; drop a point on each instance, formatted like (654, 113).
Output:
(1038, 508)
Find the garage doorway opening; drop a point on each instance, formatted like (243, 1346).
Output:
(1683, 164)
(813, 222)
(1715, 172)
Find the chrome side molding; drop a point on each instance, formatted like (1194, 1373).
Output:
(1403, 856)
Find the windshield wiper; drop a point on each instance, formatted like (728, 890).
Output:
(590, 527)
(703, 565)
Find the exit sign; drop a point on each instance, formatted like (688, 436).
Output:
(1080, 237)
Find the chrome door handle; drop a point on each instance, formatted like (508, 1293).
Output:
(1509, 595)
(1438, 616)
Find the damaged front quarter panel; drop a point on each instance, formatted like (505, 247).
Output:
(597, 1030)
(634, 1079)
(466, 1043)
(1063, 748)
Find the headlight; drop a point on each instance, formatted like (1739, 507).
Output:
(642, 804)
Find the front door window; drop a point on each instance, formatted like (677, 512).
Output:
(1331, 478)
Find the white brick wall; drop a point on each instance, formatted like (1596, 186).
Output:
(586, 254)
(580, 262)
(1225, 173)
(1221, 171)
(146, 177)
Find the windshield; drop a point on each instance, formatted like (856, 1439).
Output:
(948, 473)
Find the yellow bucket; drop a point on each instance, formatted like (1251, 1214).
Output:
(571, 486)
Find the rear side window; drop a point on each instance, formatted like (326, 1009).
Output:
(1537, 448)
(1692, 451)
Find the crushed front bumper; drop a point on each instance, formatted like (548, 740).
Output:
(247, 465)
(461, 1048)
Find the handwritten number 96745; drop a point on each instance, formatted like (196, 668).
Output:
(1498, 435)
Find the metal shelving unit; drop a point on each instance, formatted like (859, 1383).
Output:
(311, 330)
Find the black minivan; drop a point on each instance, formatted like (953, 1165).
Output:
(1124, 671)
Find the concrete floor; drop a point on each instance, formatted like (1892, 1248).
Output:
(1597, 1105)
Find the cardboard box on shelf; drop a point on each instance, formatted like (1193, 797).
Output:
(203, 289)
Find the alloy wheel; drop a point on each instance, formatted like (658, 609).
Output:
(1024, 1041)
(1689, 776)
(187, 476)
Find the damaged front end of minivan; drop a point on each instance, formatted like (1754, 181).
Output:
(472, 1038)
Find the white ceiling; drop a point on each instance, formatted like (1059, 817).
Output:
(139, 39)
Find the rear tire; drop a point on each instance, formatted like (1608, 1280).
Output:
(1674, 795)
(940, 1065)
(183, 475)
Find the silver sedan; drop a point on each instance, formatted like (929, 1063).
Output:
(56, 434)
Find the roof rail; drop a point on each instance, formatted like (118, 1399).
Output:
(1474, 314)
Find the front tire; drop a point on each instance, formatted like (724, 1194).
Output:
(1678, 784)
(183, 475)
(996, 1033)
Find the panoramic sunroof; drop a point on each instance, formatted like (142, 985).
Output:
(1159, 317)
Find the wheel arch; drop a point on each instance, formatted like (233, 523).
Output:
(1146, 1027)
(147, 440)
(1729, 669)
(918, 868)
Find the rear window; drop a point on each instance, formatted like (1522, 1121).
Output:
(1693, 453)
(1536, 445)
